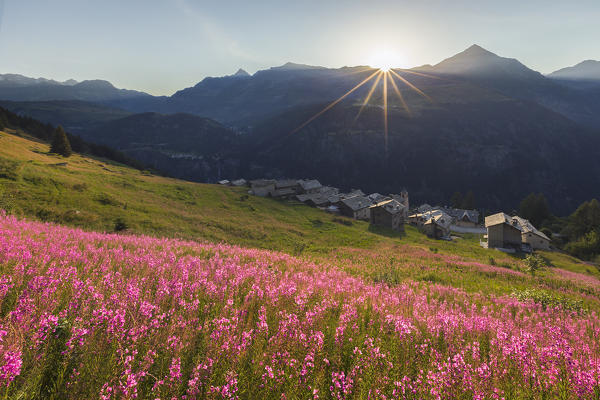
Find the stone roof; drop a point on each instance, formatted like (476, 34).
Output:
(461, 214)
(527, 227)
(391, 206)
(239, 182)
(303, 197)
(262, 182)
(439, 218)
(329, 190)
(309, 184)
(286, 191)
(424, 208)
(285, 183)
(499, 218)
(377, 198)
(352, 193)
(357, 202)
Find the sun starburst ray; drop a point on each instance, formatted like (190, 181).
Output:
(332, 104)
(408, 71)
(399, 93)
(368, 97)
(413, 87)
(385, 113)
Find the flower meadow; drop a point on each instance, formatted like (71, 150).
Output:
(88, 315)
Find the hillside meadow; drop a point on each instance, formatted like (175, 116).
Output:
(211, 293)
(91, 315)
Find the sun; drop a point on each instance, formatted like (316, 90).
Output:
(385, 69)
(384, 59)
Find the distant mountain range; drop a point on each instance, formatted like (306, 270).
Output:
(20, 88)
(485, 123)
(588, 70)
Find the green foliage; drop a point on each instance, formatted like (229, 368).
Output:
(60, 143)
(468, 202)
(53, 382)
(547, 299)
(585, 219)
(3, 120)
(534, 262)
(582, 230)
(121, 225)
(456, 200)
(586, 246)
(535, 208)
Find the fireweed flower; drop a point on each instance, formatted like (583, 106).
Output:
(140, 317)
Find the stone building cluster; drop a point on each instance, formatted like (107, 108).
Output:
(383, 210)
(501, 231)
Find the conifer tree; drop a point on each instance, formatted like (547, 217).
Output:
(468, 202)
(60, 143)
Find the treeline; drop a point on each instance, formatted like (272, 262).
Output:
(47, 133)
(578, 234)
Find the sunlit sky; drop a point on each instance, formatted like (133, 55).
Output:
(160, 46)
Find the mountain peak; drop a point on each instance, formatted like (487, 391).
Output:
(294, 66)
(96, 84)
(241, 73)
(476, 50)
(478, 62)
(585, 70)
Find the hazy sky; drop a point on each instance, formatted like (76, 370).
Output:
(160, 46)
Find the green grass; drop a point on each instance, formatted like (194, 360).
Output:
(99, 195)
(93, 193)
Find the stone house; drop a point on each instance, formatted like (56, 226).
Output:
(464, 218)
(388, 213)
(309, 186)
(437, 224)
(262, 187)
(285, 188)
(503, 231)
(536, 239)
(402, 198)
(356, 207)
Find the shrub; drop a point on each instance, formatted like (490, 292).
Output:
(586, 247)
(547, 299)
(534, 262)
(121, 225)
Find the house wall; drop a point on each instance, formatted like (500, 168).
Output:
(345, 210)
(503, 235)
(466, 224)
(495, 236)
(434, 231)
(363, 214)
(512, 236)
(383, 218)
(536, 242)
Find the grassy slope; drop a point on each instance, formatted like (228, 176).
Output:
(93, 193)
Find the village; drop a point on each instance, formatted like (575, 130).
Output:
(498, 231)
